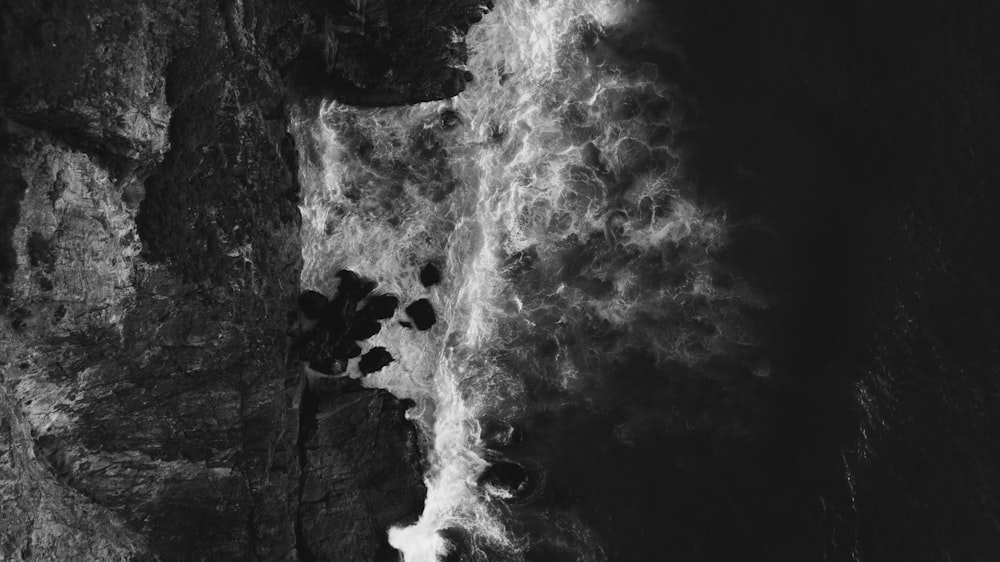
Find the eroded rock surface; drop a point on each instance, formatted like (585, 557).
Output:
(149, 256)
(359, 450)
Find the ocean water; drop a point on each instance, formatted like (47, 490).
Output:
(717, 281)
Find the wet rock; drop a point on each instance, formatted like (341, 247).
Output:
(311, 304)
(346, 350)
(367, 286)
(361, 475)
(363, 328)
(160, 130)
(352, 286)
(380, 307)
(430, 275)
(375, 360)
(53, 54)
(349, 285)
(422, 314)
(337, 317)
(385, 52)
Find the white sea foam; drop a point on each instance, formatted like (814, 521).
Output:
(549, 160)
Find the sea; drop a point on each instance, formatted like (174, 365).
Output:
(719, 280)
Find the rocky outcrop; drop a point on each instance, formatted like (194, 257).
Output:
(386, 52)
(357, 450)
(149, 255)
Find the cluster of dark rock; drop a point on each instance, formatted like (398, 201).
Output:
(331, 329)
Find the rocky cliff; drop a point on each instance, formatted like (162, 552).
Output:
(149, 257)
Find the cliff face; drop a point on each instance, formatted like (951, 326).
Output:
(149, 255)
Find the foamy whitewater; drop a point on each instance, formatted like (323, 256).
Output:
(550, 193)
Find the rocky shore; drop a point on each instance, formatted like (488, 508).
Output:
(149, 257)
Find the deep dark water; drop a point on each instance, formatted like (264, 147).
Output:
(864, 138)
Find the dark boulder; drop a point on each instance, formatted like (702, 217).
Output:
(311, 304)
(380, 307)
(363, 328)
(430, 275)
(338, 315)
(366, 287)
(347, 283)
(346, 350)
(375, 360)
(352, 286)
(422, 314)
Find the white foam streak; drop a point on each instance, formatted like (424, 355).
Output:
(541, 163)
(507, 181)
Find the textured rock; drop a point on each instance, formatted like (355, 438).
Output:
(93, 70)
(359, 451)
(421, 311)
(149, 257)
(386, 52)
(41, 518)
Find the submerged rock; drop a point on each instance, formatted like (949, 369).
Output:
(458, 544)
(505, 480)
(450, 119)
(422, 313)
(497, 434)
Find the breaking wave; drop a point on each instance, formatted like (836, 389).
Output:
(552, 194)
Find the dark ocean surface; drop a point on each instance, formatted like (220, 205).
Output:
(865, 137)
(765, 326)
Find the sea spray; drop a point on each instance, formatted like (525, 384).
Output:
(551, 192)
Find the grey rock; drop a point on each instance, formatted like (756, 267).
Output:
(149, 253)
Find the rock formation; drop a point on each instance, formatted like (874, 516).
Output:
(149, 256)
(421, 311)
